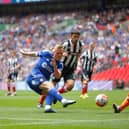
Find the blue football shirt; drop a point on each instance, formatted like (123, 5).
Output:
(44, 65)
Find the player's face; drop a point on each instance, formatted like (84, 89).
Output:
(13, 53)
(75, 38)
(92, 46)
(58, 54)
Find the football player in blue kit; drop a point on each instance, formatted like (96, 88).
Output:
(39, 78)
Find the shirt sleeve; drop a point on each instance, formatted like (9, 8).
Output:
(65, 46)
(43, 53)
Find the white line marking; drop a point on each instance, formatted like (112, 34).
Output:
(53, 121)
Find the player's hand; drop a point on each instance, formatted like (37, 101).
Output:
(54, 62)
(22, 51)
(65, 54)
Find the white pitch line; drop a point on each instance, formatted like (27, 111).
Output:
(54, 121)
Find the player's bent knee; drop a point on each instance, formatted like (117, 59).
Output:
(70, 87)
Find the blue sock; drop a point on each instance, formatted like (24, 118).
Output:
(49, 99)
(55, 94)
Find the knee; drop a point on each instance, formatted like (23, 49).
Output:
(85, 82)
(70, 86)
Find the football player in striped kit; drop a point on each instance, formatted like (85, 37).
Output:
(88, 60)
(73, 48)
(72, 51)
(12, 71)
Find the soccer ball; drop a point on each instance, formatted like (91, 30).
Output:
(101, 100)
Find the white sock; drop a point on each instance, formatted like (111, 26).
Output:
(47, 107)
(63, 100)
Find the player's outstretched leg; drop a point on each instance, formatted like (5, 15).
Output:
(48, 108)
(66, 102)
(122, 106)
(53, 94)
(58, 96)
(116, 108)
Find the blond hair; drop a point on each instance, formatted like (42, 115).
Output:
(57, 47)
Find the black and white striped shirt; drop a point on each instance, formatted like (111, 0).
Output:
(88, 60)
(12, 64)
(71, 60)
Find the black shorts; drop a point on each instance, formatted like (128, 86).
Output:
(13, 76)
(86, 75)
(66, 75)
(55, 79)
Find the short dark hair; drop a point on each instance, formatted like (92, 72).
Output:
(75, 31)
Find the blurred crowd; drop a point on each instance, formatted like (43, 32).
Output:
(108, 29)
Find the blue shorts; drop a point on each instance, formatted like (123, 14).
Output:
(34, 82)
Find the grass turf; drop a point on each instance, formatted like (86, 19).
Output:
(20, 112)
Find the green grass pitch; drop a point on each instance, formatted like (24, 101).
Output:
(20, 112)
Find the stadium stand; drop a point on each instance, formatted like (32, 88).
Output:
(43, 27)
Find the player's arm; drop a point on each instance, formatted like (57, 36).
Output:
(18, 66)
(95, 59)
(7, 67)
(65, 54)
(8, 71)
(27, 53)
